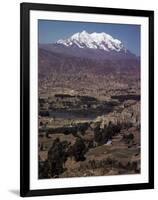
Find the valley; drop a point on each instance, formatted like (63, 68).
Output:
(88, 110)
(83, 109)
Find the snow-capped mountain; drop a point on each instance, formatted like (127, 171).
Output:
(97, 53)
(93, 40)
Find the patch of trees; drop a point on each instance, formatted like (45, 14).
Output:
(78, 150)
(87, 99)
(102, 135)
(83, 127)
(129, 166)
(70, 129)
(57, 156)
(126, 125)
(112, 163)
(64, 96)
(95, 164)
(42, 100)
(122, 98)
(128, 138)
(43, 113)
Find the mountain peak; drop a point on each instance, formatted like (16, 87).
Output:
(84, 32)
(93, 40)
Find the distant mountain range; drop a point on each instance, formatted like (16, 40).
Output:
(94, 53)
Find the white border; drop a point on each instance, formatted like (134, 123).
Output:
(85, 181)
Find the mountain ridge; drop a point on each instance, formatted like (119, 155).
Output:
(94, 54)
(50, 62)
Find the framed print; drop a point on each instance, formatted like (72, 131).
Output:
(87, 99)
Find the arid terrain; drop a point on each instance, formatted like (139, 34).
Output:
(89, 115)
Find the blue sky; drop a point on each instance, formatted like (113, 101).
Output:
(50, 31)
